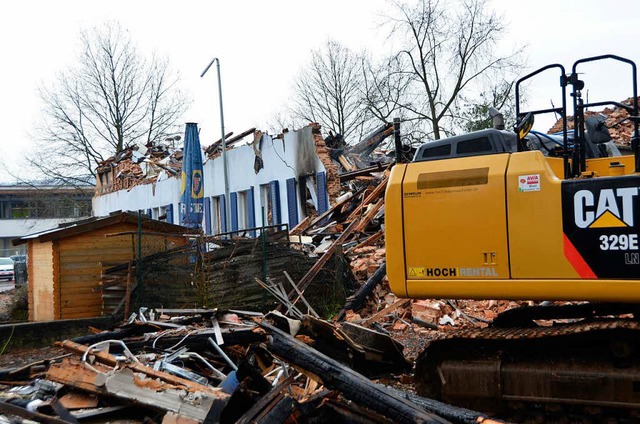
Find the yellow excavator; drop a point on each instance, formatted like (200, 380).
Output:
(522, 215)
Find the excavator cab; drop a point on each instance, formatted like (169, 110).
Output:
(520, 215)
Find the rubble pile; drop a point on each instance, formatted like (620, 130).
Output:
(195, 366)
(138, 165)
(150, 163)
(215, 149)
(291, 365)
(354, 227)
(617, 120)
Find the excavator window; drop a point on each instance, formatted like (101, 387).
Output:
(476, 145)
(437, 151)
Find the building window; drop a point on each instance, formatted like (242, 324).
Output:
(265, 201)
(159, 213)
(243, 209)
(216, 215)
(53, 206)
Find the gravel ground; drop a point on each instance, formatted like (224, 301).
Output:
(21, 357)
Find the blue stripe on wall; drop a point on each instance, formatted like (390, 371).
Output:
(321, 192)
(292, 202)
(170, 213)
(207, 215)
(274, 191)
(234, 210)
(251, 204)
(223, 214)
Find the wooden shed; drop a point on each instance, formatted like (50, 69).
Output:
(65, 264)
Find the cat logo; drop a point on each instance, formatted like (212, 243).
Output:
(607, 208)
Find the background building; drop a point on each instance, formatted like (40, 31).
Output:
(30, 208)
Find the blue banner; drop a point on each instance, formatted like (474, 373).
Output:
(192, 188)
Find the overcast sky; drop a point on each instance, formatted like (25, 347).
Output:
(262, 45)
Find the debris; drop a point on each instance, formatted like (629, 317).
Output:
(337, 376)
(202, 357)
(167, 363)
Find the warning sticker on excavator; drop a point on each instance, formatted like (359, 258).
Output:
(416, 271)
(529, 182)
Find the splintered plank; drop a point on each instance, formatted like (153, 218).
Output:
(396, 305)
(353, 386)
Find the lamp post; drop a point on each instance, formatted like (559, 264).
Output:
(227, 200)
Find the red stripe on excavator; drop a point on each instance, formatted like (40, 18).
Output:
(577, 261)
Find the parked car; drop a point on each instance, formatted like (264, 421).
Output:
(6, 269)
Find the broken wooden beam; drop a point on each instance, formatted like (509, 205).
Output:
(353, 386)
(239, 136)
(195, 402)
(346, 176)
(367, 242)
(10, 409)
(453, 413)
(72, 373)
(376, 193)
(363, 292)
(372, 140)
(369, 215)
(321, 262)
(112, 361)
(266, 402)
(327, 213)
(386, 311)
(301, 226)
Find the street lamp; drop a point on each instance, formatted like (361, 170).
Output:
(227, 200)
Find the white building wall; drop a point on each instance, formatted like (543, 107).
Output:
(18, 227)
(293, 156)
(141, 197)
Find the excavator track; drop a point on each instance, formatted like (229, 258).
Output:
(587, 370)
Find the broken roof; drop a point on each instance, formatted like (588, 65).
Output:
(82, 226)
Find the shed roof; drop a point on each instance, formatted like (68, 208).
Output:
(69, 229)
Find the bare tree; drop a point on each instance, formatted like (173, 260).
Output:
(474, 114)
(446, 49)
(383, 85)
(328, 91)
(112, 98)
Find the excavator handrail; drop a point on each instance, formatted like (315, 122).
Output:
(561, 110)
(579, 107)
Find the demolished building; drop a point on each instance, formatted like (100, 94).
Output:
(272, 180)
